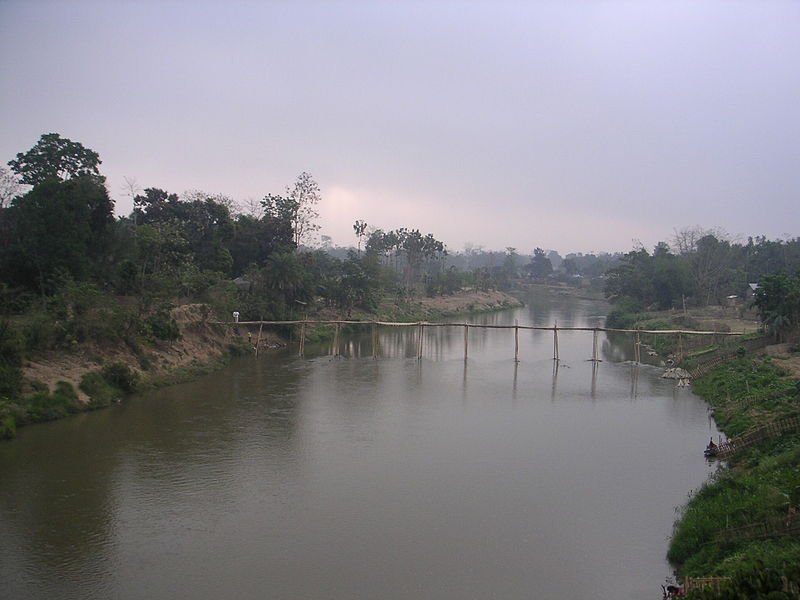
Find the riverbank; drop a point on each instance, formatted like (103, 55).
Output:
(744, 523)
(95, 374)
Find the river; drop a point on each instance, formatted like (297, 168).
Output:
(322, 478)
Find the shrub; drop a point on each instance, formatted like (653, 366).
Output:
(100, 392)
(38, 332)
(8, 427)
(121, 376)
(685, 322)
(10, 361)
(8, 422)
(619, 318)
(44, 406)
(162, 326)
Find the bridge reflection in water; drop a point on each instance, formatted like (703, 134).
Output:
(436, 341)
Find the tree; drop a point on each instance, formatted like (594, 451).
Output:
(540, 266)
(57, 158)
(778, 301)
(510, 262)
(203, 221)
(708, 253)
(57, 227)
(360, 229)
(280, 207)
(304, 197)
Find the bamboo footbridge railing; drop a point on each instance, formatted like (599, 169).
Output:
(421, 325)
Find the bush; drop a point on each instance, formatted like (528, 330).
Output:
(121, 376)
(10, 361)
(43, 406)
(685, 322)
(38, 332)
(8, 422)
(162, 326)
(619, 318)
(100, 392)
(8, 427)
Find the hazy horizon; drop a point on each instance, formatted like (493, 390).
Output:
(573, 126)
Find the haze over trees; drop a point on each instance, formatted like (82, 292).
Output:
(706, 268)
(59, 241)
(73, 273)
(63, 253)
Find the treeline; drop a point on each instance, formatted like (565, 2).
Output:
(62, 231)
(73, 273)
(703, 267)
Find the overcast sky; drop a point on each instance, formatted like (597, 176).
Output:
(574, 126)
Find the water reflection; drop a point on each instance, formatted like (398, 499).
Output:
(350, 477)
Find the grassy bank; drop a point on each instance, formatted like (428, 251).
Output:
(744, 523)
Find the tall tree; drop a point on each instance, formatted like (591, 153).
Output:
(58, 226)
(57, 158)
(778, 302)
(360, 229)
(305, 196)
(540, 266)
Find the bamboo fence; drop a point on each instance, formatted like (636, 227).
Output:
(777, 525)
(704, 583)
(757, 435)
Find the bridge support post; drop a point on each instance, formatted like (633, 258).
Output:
(516, 340)
(466, 340)
(637, 349)
(555, 342)
(302, 339)
(374, 341)
(336, 341)
(258, 339)
(594, 345)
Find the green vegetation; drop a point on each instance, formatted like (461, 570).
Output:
(76, 280)
(702, 268)
(778, 302)
(743, 523)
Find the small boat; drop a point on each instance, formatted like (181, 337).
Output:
(711, 450)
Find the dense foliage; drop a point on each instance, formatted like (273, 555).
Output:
(73, 274)
(705, 268)
(742, 523)
(778, 302)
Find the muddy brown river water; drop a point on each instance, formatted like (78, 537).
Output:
(321, 478)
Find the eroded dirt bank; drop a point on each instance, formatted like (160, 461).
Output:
(203, 343)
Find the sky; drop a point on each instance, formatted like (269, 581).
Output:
(578, 126)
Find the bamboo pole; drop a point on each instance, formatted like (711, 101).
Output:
(516, 341)
(594, 345)
(638, 349)
(420, 334)
(555, 342)
(336, 341)
(258, 339)
(302, 338)
(466, 340)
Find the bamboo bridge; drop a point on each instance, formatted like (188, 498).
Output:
(466, 326)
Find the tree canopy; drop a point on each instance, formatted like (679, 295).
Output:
(54, 157)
